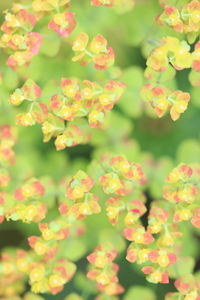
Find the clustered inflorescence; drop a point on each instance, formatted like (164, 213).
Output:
(173, 54)
(70, 116)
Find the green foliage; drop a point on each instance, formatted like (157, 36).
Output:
(128, 127)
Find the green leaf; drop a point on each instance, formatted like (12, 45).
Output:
(50, 45)
(73, 296)
(30, 296)
(140, 292)
(113, 237)
(10, 79)
(189, 151)
(83, 284)
(74, 249)
(195, 99)
(130, 102)
(182, 267)
(161, 77)
(173, 296)
(194, 78)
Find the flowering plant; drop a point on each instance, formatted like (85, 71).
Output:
(99, 150)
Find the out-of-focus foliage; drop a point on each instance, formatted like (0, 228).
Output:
(77, 84)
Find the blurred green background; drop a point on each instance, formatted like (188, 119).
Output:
(134, 129)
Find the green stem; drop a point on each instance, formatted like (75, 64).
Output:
(88, 53)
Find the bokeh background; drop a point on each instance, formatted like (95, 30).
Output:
(134, 130)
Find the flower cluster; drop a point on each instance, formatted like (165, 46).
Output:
(188, 288)
(16, 265)
(7, 155)
(183, 191)
(12, 279)
(122, 180)
(87, 98)
(41, 7)
(170, 51)
(112, 185)
(52, 271)
(76, 101)
(48, 278)
(85, 203)
(35, 112)
(155, 254)
(26, 203)
(56, 232)
(134, 208)
(123, 176)
(96, 51)
(154, 247)
(104, 271)
(7, 159)
(185, 20)
(74, 134)
(48, 247)
(18, 36)
(161, 98)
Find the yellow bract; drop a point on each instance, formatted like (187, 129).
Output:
(48, 234)
(174, 176)
(138, 237)
(105, 99)
(185, 214)
(37, 274)
(22, 264)
(143, 255)
(156, 276)
(87, 93)
(114, 184)
(78, 192)
(55, 281)
(70, 91)
(81, 42)
(59, 18)
(163, 260)
(16, 99)
(47, 127)
(40, 248)
(27, 190)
